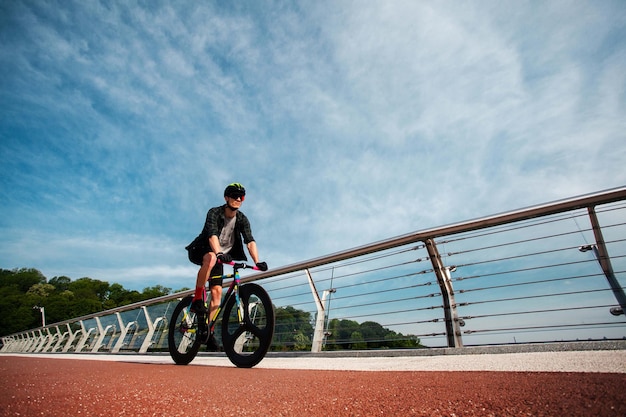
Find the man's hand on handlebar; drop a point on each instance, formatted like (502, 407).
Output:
(224, 258)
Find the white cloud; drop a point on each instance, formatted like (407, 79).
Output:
(349, 124)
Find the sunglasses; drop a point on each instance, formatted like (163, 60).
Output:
(237, 196)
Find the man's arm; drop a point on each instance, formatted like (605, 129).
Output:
(254, 254)
(214, 241)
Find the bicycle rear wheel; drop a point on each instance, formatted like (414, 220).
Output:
(183, 337)
(247, 342)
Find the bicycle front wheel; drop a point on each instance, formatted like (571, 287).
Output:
(183, 336)
(247, 332)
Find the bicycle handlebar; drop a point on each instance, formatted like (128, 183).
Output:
(240, 265)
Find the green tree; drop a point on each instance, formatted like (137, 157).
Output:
(60, 283)
(41, 290)
(357, 341)
(292, 328)
(16, 306)
(341, 333)
(154, 292)
(399, 341)
(90, 289)
(121, 296)
(23, 278)
(374, 333)
(59, 306)
(15, 314)
(348, 334)
(301, 342)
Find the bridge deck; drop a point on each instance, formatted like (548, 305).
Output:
(526, 383)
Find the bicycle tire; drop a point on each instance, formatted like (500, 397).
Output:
(247, 343)
(183, 337)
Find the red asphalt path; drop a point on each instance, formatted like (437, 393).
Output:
(34, 386)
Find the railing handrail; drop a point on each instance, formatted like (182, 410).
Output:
(560, 206)
(555, 207)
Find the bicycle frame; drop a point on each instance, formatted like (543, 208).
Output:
(233, 288)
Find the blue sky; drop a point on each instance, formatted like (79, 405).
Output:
(348, 122)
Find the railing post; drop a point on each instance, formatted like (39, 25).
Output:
(15, 344)
(59, 340)
(28, 341)
(86, 334)
(318, 333)
(605, 263)
(8, 344)
(453, 328)
(40, 341)
(160, 327)
(70, 339)
(36, 341)
(101, 335)
(31, 337)
(148, 340)
(51, 339)
(123, 330)
(22, 343)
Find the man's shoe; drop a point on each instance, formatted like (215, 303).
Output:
(211, 344)
(198, 307)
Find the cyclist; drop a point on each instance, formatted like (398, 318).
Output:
(221, 239)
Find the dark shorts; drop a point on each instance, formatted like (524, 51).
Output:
(215, 277)
(196, 253)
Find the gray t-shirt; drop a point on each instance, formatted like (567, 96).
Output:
(227, 236)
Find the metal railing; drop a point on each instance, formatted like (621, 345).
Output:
(539, 274)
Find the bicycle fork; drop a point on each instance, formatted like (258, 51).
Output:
(240, 312)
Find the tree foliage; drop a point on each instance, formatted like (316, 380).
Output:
(63, 299)
(348, 334)
(294, 331)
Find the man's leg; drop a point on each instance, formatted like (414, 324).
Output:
(208, 262)
(216, 299)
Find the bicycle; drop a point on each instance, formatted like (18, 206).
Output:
(247, 324)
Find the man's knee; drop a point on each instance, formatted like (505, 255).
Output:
(209, 259)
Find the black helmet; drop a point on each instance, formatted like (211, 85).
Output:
(235, 190)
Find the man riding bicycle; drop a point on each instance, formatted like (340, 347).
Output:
(221, 239)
